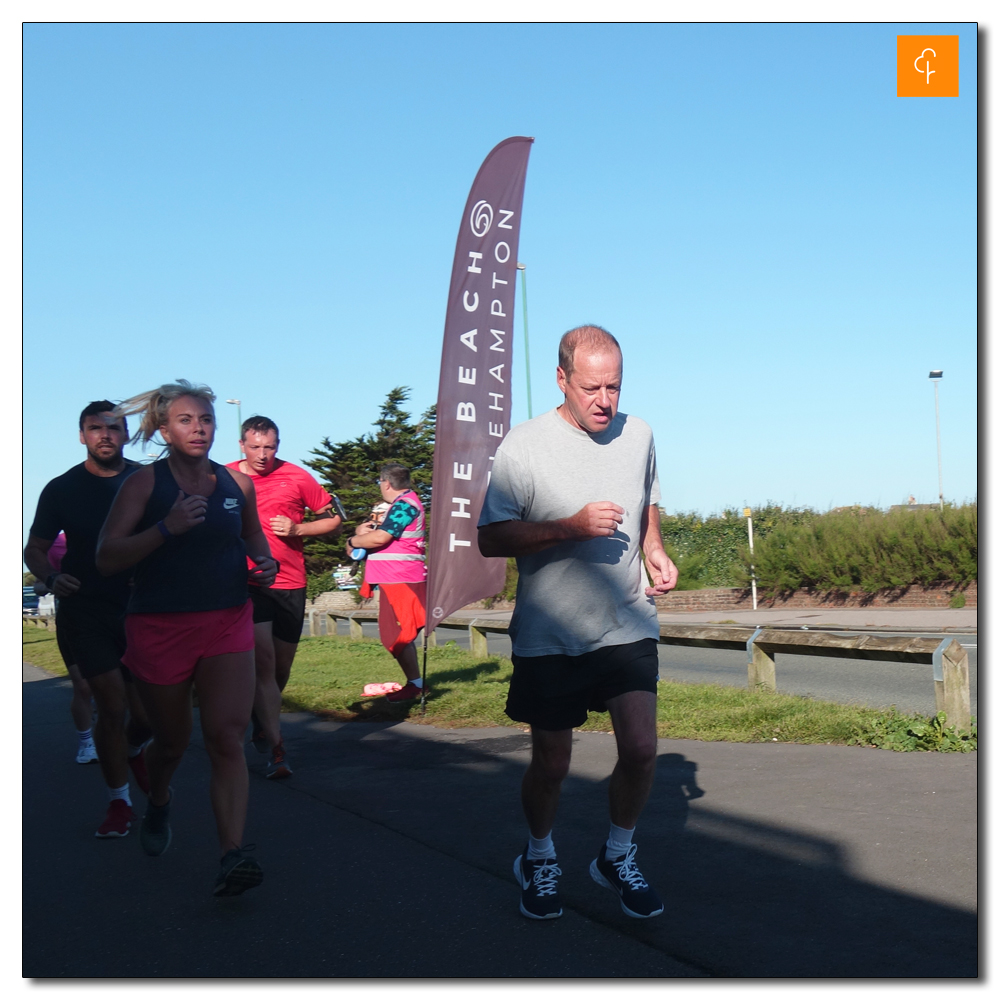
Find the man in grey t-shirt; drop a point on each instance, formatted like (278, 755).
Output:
(573, 496)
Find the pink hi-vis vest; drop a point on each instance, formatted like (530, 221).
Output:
(402, 560)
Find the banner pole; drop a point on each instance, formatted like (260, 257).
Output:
(524, 305)
(423, 690)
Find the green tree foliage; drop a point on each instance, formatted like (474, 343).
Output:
(868, 550)
(350, 469)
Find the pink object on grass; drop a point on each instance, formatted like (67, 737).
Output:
(373, 690)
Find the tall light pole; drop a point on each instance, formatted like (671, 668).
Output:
(936, 376)
(524, 304)
(239, 421)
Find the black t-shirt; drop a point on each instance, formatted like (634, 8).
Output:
(77, 502)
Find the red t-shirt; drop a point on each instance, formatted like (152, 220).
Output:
(286, 490)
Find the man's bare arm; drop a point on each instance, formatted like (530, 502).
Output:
(661, 567)
(36, 558)
(521, 538)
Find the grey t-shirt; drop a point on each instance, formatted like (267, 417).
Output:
(577, 596)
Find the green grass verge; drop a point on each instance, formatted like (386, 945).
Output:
(464, 690)
(38, 646)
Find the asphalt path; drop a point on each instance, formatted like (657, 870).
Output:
(388, 854)
(874, 683)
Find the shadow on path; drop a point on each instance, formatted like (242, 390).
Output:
(388, 853)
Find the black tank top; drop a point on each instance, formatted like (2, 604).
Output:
(204, 569)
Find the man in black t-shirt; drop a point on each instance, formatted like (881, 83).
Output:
(91, 607)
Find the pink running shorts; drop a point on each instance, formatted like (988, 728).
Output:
(164, 648)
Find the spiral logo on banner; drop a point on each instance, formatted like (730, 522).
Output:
(481, 218)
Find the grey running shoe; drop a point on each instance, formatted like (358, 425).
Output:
(539, 889)
(277, 766)
(86, 753)
(624, 879)
(154, 833)
(238, 872)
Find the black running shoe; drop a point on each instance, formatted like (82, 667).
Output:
(539, 891)
(238, 873)
(154, 833)
(622, 877)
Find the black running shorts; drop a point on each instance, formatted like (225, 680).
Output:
(284, 608)
(556, 692)
(91, 634)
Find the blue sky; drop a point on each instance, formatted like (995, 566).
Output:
(783, 246)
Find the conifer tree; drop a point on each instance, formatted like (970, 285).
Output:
(350, 470)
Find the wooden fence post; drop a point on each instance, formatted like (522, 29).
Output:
(477, 641)
(760, 666)
(951, 684)
(356, 630)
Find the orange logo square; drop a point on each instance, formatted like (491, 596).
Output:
(927, 65)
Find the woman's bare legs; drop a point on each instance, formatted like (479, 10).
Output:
(225, 686)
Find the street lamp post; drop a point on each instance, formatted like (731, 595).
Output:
(239, 420)
(936, 376)
(524, 305)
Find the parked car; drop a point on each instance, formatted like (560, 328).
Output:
(29, 600)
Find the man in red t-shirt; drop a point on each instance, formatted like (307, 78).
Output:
(284, 493)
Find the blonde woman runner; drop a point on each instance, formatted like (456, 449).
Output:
(185, 525)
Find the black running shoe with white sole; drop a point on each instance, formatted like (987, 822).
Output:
(154, 833)
(238, 873)
(623, 878)
(539, 889)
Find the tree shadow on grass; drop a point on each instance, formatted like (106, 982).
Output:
(440, 682)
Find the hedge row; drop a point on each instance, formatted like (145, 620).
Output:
(861, 548)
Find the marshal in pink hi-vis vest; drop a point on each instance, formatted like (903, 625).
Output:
(402, 560)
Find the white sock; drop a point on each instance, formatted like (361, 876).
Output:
(85, 736)
(541, 848)
(135, 751)
(619, 841)
(120, 793)
(418, 682)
